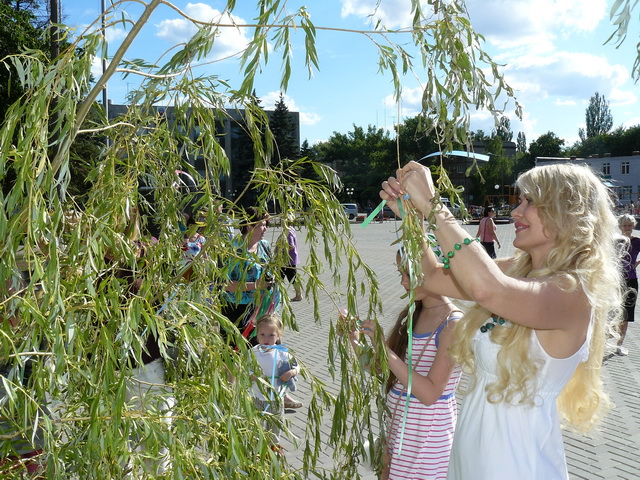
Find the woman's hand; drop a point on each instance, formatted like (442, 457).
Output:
(413, 183)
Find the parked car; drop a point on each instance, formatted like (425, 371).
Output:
(387, 212)
(350, 210)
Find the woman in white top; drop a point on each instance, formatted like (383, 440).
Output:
(535, 339)
(487, 232)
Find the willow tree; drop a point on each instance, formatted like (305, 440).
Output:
(73, 326)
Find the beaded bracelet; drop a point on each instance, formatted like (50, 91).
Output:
(457, 246)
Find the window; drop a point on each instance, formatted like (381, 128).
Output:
(606, 169)
(624, 168)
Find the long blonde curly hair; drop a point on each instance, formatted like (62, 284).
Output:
(573, 203)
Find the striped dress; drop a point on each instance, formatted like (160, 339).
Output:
(428, 433)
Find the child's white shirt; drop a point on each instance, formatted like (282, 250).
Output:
(266, 358)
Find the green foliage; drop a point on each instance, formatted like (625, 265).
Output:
(521, 144)
(622, 141)
(283, 129)
(547, 145)
(620, 15)
(84, 286)
(598, 116)
(499, 170)
(504, 130)
(363, 158)
(17, 33)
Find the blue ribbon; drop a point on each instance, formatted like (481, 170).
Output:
(282, 348)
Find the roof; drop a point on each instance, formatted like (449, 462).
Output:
(459, 153)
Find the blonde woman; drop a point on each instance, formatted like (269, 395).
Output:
(535, 339)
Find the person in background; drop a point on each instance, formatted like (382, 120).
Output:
(487, 232)
(629, 263)
(249, 280)
(433, 410)
(290, 271)
(534, 342)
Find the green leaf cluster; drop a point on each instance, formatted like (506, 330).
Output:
(84, 285)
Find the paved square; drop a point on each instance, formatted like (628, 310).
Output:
(610, 453)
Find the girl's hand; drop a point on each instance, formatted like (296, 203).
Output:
(368, 327)
(286, 376)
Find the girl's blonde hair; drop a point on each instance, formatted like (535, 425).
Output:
(270, 320)
(574, 205)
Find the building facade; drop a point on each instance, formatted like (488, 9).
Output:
(232, 138)
(621, 174)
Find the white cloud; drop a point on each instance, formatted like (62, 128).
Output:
(115, 34)
(306, 118)
(533, 24)
(391, 13)
(567, 78)
(229, 40)
(96, 67)
(309, 118)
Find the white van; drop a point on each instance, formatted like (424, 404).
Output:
(350, 210)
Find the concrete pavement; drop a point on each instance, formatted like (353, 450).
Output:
(609, 453)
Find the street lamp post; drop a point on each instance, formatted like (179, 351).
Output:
(349, 191)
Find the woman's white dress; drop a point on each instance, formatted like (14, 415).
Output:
(506, 442)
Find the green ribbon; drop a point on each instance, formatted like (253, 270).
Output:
(373, 214)
(412, 307)
(410, 312)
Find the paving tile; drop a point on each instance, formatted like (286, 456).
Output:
(610, 453)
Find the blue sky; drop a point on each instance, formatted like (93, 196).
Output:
(552, 52)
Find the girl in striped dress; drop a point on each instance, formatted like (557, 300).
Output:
(422, 450)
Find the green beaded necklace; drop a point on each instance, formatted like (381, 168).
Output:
(487, 327)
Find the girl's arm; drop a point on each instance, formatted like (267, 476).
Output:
(428, 389)
(234, 286)
(293, 370)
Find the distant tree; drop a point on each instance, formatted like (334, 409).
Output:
(307, 151)
(547, 145)
(283, 130)
(582, 134)
(598, 116)
(479, 135)
(362, 158)
(497, 171)
(504, 130)
(414, 142)
(521, 144)
(625, 141)
(622, 141)
(18, 30)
